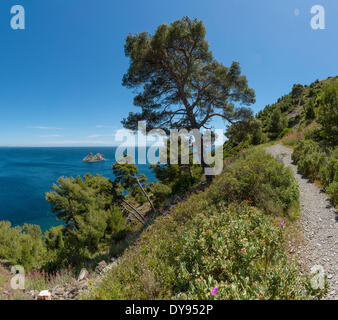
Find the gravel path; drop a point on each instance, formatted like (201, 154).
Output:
(318, 224)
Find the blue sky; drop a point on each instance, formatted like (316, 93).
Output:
(60, 78)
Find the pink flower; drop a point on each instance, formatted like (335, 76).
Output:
(282, 223)
(214, 291)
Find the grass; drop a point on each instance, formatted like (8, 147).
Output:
(37, 281)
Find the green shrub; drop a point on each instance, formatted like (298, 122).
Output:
(284, 132)
(290, 142)
(310, 111)
(328, 114)
(138, 195)
(312, 134)
(309, 158)
(332, 190)
(161, 192)
(40, 280)
(311, 163)
(316, 164)
(329, 172)
(276, 124)
(240, 252)
(260, 179)
(22, 245)
(330, 177)
(183, 184)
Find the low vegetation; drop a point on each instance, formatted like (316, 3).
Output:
(223, 237)
(22, 245)
(311, 129)
(318, 164)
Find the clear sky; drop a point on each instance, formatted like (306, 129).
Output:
(60, 78)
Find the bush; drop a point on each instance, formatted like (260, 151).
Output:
(309, 158)
(160, 192)
(310, 111)
(276, 124)
(21, 245)
(260, 179)
(183, 184)
(285, 132)
(332, 190)
(317, 164)
(329, 172)
(312, 133)
(310, 164)
(238, 251)
(328, 114)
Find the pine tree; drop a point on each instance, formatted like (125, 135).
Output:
(182, 85)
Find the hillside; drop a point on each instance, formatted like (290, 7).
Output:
(298, 108)
(232, 237)
(189, 241)
(307, 120)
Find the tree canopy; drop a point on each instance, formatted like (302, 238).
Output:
(181, 84)
(90, 215)
(328, 114)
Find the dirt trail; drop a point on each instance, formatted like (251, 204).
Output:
(318, 223)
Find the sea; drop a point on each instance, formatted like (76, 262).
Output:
(26, 174)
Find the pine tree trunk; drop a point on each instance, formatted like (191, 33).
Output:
(203, 163)
(131, 206)
(146, 195)
(132, 213)
(190, 171)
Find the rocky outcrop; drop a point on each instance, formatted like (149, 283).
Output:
(94, 158)
(100, 267)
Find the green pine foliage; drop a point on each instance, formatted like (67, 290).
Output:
(328, 114)
(160, 193)
(91, 219)
(128, 180)
(179, 177)
(250, 131)
(22, 245)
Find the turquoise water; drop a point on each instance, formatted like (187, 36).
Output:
(26, 174)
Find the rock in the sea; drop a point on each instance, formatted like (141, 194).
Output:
(94, 158)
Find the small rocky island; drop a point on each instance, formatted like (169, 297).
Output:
(94, 158)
